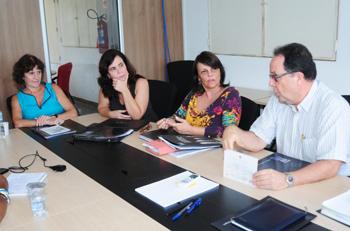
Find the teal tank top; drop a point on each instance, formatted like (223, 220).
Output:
(30, 108)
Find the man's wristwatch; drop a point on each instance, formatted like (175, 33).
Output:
(5, 194)
(289, 179)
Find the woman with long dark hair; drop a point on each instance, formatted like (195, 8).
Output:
(124, 94)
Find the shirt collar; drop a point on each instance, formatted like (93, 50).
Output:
(309, 98)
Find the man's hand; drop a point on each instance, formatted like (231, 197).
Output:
(270, 179)
(230, 137)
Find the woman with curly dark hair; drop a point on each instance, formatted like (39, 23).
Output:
(37, 103)
(124, 94)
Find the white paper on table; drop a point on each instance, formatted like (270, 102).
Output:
(18, 182)
(338, 207)
(167, 192)
(239, 166)
(54, 130)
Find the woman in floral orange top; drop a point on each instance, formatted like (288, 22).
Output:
(211, 106)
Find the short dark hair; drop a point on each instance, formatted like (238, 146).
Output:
(106, 60)
(26, 63)
(210, 59)
(297, 58)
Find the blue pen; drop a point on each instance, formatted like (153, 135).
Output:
(195, 204)
(179, 214)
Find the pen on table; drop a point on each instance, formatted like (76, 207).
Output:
(182, 211)
(195, 204)
(145, 128)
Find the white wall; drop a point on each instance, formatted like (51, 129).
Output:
(83, 80)
(253, 72)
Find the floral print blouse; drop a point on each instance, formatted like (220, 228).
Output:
(223, 112)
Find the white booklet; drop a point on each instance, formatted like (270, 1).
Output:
(170, 190)
(55, 130)
(239, 166)
(52, 131)
(338, 208)
(18, 182)
(187, 152)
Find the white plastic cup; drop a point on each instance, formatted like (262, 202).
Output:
(37, 198)
(4, 129)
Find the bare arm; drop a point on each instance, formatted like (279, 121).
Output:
(137, 106)
(233, 135)
(183, 127)
(320, 170)
(17, 118)
(103, 109)
(70, 111)
(3, 201)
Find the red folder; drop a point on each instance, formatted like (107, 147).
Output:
(158, 147)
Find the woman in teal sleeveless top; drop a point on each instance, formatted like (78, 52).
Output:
(37, 103)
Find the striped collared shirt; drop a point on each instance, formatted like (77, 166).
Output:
(317, 129)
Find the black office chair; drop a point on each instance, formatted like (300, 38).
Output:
(162, 96)
(347, 98)
(181, 75)
(250, 112)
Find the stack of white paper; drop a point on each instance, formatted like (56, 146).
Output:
(338, 208)
(168, 191)
(18, 182)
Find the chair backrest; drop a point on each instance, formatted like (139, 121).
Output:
(63, 76)
(347, 98)
(250, 112)
(162, 96)
(181, 75)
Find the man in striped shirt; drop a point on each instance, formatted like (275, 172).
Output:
(309, 121)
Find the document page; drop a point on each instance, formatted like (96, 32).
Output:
(54, 130)
(18, 182)
(239, 166)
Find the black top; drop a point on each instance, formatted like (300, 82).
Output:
(114, 104)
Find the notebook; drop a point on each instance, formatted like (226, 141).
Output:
(266, 214)
(130, 124)
(182, 142)
(103, 134)
(338, 208)
(53, 131)
(168, 191)
(281, 163)
(153, 135)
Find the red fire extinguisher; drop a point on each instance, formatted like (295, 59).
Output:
(102, 35)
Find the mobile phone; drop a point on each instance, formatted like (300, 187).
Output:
(189, 180)
(3, 170)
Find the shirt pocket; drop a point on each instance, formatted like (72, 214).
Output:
(309, 149)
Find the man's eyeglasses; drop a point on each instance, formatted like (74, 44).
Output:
(276, 77)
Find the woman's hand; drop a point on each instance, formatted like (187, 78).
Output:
(119, 114)
(120, 85)
(180, 125)
(48, 120)
(164, 123)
